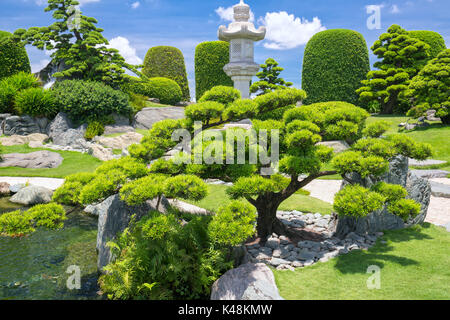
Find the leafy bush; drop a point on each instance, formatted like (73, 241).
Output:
(89, 101)
(376, 129)
(167, 62)
(405, 208)
(13, 56)
(94, 128)
(36, 102)
(69, 192)
(204, 111)
(51, 216)
(16, 223)
(433, 39)
(334, 64)
(210, 58)
(166, 90)
(222, 94)
(11, 86)
(356, 201)
(160, 259)
(269, 79)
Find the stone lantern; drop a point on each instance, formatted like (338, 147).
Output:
(241, 34)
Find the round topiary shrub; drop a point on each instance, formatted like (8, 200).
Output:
(167, 62)
(166, 90)
(89, 101)
(433, 39)
(210, 58)
(334, 64)
(13, 56)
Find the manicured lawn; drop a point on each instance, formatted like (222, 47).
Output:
(414, 265)
(74, 162)
(217, 197)
(438, 135)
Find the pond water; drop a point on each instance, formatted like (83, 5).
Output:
(34, 267)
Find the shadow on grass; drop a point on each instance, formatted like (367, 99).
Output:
(358, 261)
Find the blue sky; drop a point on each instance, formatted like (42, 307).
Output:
(134, 26)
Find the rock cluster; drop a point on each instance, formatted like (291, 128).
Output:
(281, 253)
(32, 195)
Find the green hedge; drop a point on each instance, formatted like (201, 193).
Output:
(167, 62)
(88, 100)
(210, 58)
(433, 39)
(13, 56)
(334, 64)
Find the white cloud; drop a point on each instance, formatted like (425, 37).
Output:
(36, 67)
(135, 5)
(285, 31)
(125, 49)
(395, 9)
(227, 14)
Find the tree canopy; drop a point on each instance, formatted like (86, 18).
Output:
(269, 78)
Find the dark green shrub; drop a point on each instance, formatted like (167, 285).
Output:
(13, 56)
(166, 90)
(210, 58)
(94, 128)
(36, 102)
(167, 62)
(89, 101)
(222, 94)
(433, 39)
(11, 86)
(334, 64)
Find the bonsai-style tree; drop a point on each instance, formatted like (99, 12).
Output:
(302, 158)
(269, 78)
(430, 89)
(402, 57)
(78, 43)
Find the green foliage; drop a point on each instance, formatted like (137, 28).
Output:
(36, 102)
(187, 187)
(279, 99)
(357, 201)
(222, 94)
(94, 128)
(89, 101)
(334, 64)
(138, 191)
(69, 192)
(20, 223)
(376, 129)
(269, 79)
(402, 56)
(404, 208)
(167, 62)
(11, 86)
(164, 89)
(241, 109)
(433, 39)
(392, 192)
(80, 44)
(233, 224)
(353, 161)
(408, 147)
(204, 111)
(159, 259)
(376, 147)
(13, 56)
(210, 58)
(15, 224)
(247, 187)
(430, 89)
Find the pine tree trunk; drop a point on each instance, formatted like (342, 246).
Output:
(267, 222)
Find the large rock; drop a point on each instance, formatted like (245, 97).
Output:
(32, 195)
(121, 124)
(59, 125)
(114, 216)
(145, 118)
(35, 160)
(100, 152)
(4, 189)
(17, 140)
(120, 142)
(248, 282)
(418, 189)
(24, 126)
(63, 133)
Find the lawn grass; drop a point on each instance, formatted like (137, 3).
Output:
(73, 162)
(217, 197)
(414, 266)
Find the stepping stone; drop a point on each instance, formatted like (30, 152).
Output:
(440, 190)
(415, 163)
(430, 174)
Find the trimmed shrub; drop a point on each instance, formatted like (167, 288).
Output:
(210, 58)
(36, 102)
(11, 86)
(433, 39)
(166, 90)
(334, 64)
(13, 56)
(167, 62)
(89, 101)
(222, 94)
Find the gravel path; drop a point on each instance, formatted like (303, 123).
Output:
(49, 183)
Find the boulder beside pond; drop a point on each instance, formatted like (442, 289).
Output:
(32, 195)
(114, 216)
(4, 189)
(34, 160)
(248, 282)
